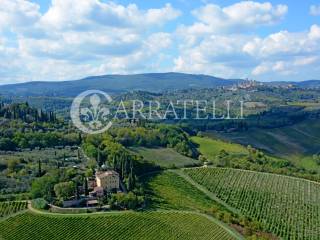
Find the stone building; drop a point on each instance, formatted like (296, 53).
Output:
(108, 180)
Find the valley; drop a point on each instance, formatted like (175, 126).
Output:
(250, 178)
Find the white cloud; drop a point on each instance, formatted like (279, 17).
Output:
(314, 32)
(305, 61)
(285, 43)
(81, 38)
(280, 54)
(315, 10)
(261, 69)
(144, 58)
(90, 37)
(158, 41)
(277, 43)
(215, 43)
(82, 46)
(291, 67)
(87, 14)
(17, 14)
(242, 16)
(94, 29)
(286, 53)
(278, 67)
(216, 54)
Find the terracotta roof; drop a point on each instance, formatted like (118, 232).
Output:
(98, 189)
(106, 173)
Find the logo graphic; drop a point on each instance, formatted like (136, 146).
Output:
(92, 117)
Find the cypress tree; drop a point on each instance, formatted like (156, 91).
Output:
(39, 168)
(86, 190)
(78, 154)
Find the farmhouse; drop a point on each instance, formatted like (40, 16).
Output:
(108, 180)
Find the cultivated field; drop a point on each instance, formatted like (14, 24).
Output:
(167, 190)
(150, 225)
(8, 208)
(288, 207)
(164, 157)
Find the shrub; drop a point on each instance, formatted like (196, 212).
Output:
(40, 203)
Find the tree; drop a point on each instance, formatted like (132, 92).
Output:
(43, 187)
(39, 168)
(316, 158)
(40, 203)
(86, 189)
(7, 144)
(100, 201)
(99, 158)
(131, 180)
(64, 190)
(223, 158)
(89, 173)
(78, 155)
(126, 201)
(12, 165)
(79, 181)
(64, 159)
(90, 149)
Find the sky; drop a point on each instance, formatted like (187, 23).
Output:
(70, 39)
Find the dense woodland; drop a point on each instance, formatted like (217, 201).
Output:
(22, 111)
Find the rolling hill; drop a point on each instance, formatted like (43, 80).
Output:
(301, 84)
(113, 84)
(298, 139)
(286, 206)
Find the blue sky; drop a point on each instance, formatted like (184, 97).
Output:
(70, 39)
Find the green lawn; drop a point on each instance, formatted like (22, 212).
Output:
(149, 226)
(164, 157)
(211, 147)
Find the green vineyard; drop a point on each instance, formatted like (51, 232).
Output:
(149, 225)
(288, 207)
(8, 208)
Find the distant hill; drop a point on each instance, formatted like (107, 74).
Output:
(309, 84)
(302, 84)
(153, 82)
(113, 84)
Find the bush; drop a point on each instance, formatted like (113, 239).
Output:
(40, 203)
(126, 201)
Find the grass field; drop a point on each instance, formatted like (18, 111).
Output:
(288, 207)
(211, 147)
(165, 157)
(150, 225)
(299, 139)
